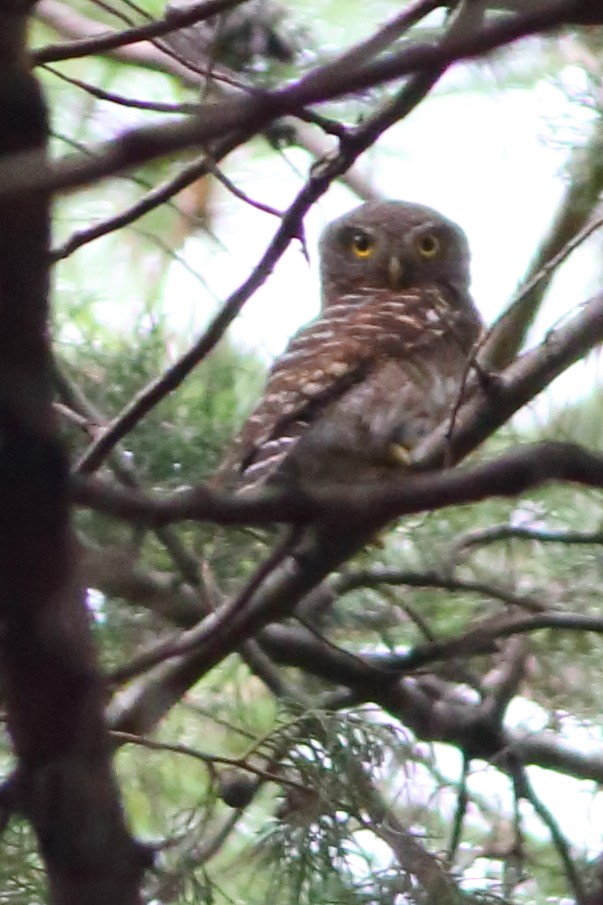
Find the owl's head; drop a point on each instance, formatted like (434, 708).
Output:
(392, 245)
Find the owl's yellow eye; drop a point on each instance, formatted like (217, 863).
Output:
(428, 246)
(362, 245)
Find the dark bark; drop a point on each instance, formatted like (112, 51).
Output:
(54, 694)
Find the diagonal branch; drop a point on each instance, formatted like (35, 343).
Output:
(523, 789)
(155, 197)
(150, 56)
(103, 42)
(572, 225)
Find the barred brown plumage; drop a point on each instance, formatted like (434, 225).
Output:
(380, 368)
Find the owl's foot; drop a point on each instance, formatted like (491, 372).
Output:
(399, 455)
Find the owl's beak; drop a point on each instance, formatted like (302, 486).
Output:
(395, 272)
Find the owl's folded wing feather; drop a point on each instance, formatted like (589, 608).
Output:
(320, 365)
(314, 371)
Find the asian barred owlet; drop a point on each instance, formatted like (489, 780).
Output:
(380, 368)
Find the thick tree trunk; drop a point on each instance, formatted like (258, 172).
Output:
(54, 694)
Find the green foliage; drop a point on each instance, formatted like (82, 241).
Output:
(22, 878)
(180, 441)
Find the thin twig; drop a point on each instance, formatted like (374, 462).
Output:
(240, 763)
(372, 578)
(101, 44)
(149, 202)
(524, 790)
(239, 193)
(120, 99)
(495, 533)
(462, 803)
(571, 225)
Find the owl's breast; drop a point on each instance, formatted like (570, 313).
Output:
(398, 403)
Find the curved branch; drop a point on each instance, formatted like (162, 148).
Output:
(374, 578)
(483, 537)
(480, 638)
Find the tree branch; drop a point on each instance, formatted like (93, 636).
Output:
(524, 789)
(493, 534)
(572, 225)
(103, 42)
(510, 475)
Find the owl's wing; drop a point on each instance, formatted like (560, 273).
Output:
(319, 366)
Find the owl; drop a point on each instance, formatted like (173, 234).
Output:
(359, 387)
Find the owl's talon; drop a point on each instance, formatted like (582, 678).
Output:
(399, 455)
